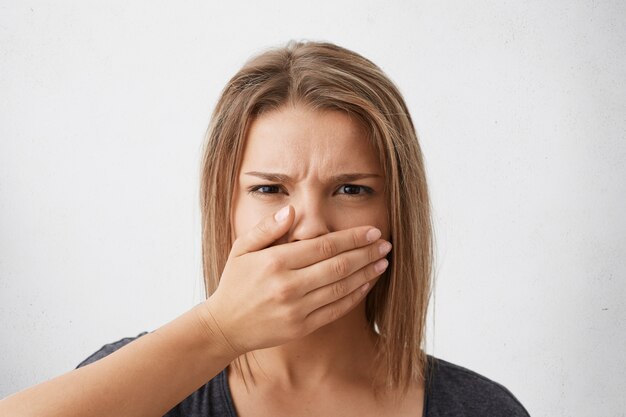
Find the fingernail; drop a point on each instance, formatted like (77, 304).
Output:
(372, 235)
(384, 248)
(282, 214)
(381, 265)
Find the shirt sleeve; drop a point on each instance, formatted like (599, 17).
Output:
(457, 391)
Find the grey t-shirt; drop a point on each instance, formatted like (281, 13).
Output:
(451, 391)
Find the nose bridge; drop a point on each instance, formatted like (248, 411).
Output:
(311, 216)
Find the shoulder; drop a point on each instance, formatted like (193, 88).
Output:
(453, 390)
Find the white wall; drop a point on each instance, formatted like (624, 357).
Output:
(520, 108)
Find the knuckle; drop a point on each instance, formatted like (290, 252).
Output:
(291, 317)
(340, 267)
(373, 253)
(371, 272)
(327, 247)
(281, 292)
(275, 263)
(339, 289)
(355, 239)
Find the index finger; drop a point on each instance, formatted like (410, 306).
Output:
(303, 253)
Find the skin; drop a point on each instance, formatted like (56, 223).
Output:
(328, 371)
(291, 295)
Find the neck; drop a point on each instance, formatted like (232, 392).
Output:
(343, 349)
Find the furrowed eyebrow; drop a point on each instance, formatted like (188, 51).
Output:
(277, 177)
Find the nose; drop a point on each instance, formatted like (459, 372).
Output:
(312, 219)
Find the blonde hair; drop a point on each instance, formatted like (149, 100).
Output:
(326, 76)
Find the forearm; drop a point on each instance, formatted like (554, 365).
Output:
(144, 378)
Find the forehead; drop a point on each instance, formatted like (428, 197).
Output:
(302, 140)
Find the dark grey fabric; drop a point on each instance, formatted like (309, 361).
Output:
(451, 391)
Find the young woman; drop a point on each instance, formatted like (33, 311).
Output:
(312, 171)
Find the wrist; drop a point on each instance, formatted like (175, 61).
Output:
(212, 332)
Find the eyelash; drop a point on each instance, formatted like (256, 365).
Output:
(366, 190)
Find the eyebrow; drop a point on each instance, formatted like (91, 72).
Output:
(277, 177)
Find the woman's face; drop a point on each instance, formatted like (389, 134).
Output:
(321, 163)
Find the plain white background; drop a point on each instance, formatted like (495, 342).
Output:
(520, 109)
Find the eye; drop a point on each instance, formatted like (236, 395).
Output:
(264, 189)
(352, 190)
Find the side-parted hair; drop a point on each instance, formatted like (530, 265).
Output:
(325, 76)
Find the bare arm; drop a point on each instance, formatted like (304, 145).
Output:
(300, 286)
(144, 378)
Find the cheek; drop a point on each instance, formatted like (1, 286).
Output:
(380, 220)
(375, 215)
(247, 213)
(245, 216)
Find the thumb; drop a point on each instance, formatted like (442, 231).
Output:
(264, 233)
